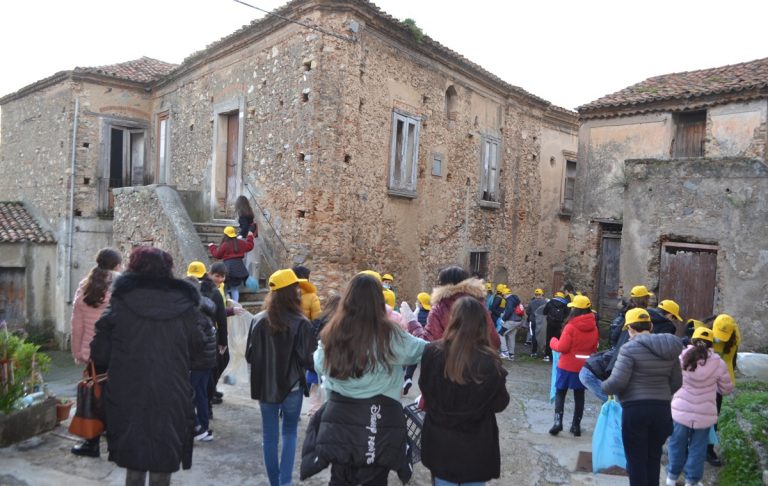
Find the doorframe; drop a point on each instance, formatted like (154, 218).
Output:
(220, 111)
(102, 172)
(612, 230)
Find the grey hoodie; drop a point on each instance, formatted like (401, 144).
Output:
(647, 368)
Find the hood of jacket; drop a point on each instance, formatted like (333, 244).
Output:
(157, 298)
(471, 286)
(665, 346)
(705, 372)
(583, 323)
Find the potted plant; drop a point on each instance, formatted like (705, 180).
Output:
(63, 407)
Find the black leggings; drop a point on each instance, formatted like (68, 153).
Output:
(578, 397)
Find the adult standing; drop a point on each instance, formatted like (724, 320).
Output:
(91, 300)
(537, 301)
(145, 339)
(578, 340)
(646, 375)
(453, 283)
(464, 387)
(279, 350)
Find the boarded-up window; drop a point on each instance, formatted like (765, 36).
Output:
(690, 133)
(569, 186)
(478, 263)
(490, 179)
(404, 154)
(689, 276)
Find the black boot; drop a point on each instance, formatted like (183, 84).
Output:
(578, 411)
(712, 458)
(576, 426)
(558, 425)
(88, 448)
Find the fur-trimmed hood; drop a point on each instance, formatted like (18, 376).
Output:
(471, 286)
(160, 298)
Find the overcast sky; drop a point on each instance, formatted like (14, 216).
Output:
(568, 52)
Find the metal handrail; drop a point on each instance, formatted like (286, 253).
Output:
(252, 197)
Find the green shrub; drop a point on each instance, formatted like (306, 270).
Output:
(743, 423)
(22, 354)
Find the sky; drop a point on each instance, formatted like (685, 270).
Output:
(567, 52)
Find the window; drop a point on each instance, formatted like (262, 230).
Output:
(404, 154)
(569, 185)
(437, 164)
(451, 103)
(690, 134)
(489, 184)
(478, 263)
(162, 147)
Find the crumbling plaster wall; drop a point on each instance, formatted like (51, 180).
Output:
(719, 201)
(737, 130)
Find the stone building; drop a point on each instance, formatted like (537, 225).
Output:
(360, 143)
(672, 193)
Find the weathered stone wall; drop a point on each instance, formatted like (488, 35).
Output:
(737, 130)
(722, 201)
(154, 216)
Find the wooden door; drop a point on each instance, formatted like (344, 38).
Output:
(12, 296)
(608, 285)
(233, 129)
(690, 134)
(688, 276)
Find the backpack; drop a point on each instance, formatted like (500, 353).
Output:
(557, 313)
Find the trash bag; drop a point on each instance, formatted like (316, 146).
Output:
(252, 284)
(541, 328)
(607, 444)
(552, 389)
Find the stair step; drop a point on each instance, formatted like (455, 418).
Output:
(211, 227)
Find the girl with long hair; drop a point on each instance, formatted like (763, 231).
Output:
(361, 357)
(279, 349)
(232, 250)
(577, 341)
(464, 387)
(244, 216)
(90, 302)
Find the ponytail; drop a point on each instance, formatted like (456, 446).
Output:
(100, 277)
(699, 352)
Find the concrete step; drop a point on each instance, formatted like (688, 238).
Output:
(213, 226)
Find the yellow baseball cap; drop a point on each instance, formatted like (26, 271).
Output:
(538, 292)
(285, 277)
(500, 287)
(638, 314)
(196, 269)
(488, 286)
(704, 333)
(230, 231)
(639, 291)
(580, 302)
(389, 298)
(387, 276)
(423, 298)
(373, 274)
(671, 307)
(560, 294)
(723, 327)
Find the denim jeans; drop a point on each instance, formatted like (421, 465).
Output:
(589, 380)
(443, 482)
(280, 472)
(199, 381)
(687, 450)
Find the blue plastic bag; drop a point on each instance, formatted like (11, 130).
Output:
(499, 325)
(713, 438)
(552, 388)
(607, 444)
(252, 284)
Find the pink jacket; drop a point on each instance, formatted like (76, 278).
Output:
(84, 318)
(693, 405)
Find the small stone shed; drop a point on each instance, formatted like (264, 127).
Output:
(672, 193)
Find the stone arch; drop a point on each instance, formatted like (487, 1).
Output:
(451, 103)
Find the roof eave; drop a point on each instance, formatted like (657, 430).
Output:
(36, 86)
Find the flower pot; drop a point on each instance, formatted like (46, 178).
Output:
(62, 411)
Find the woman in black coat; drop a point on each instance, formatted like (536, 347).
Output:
(144, 340)
(464, 387)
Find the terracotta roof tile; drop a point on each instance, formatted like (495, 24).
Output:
(17, 225)
(143, 70)
(686, 85)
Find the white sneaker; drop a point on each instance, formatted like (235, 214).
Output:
(546, 358)
(407, 386)
(200, 433)
(671, 481)
(695, 484)
(504, 355)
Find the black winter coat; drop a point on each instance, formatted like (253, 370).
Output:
(205, 359)
(209, 289)
(278, 361)
(144, 339)
(460, 438)
(661, 324)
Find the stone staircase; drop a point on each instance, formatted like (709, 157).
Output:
(211, 232)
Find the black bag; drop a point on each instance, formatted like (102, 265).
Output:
(599, 363)
(88, 421)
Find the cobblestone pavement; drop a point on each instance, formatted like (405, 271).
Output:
(530, 456)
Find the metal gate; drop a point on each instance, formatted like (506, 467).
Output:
(688, 275)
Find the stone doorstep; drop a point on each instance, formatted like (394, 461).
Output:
(28, 422)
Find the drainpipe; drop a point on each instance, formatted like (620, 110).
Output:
(71, 222)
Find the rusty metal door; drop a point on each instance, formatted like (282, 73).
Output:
(608, 286)
(688, 275)
(12, 296)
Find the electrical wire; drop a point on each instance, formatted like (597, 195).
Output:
(318, 29)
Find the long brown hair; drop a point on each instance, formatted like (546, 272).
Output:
(100, 277)
(465, 337)
(233, 243)
(699, 352)
(281, 305)
(243, 207)
(359, 336)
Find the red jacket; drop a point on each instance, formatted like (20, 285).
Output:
(577, 341)
(227, 249)
(442, 299)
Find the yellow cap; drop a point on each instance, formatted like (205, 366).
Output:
(285, 277)
(580, 302)
(196, 269)
(500, 287)
(639, 291)
(373, 274)
(560, 294)
(389, 298)
(723, 327)
(423, 298)
(671, 307)
(488, 286)
(695, 323)
(230, 231)
(538, 292)
(703, 333)
(638, 314)
(387, 276)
